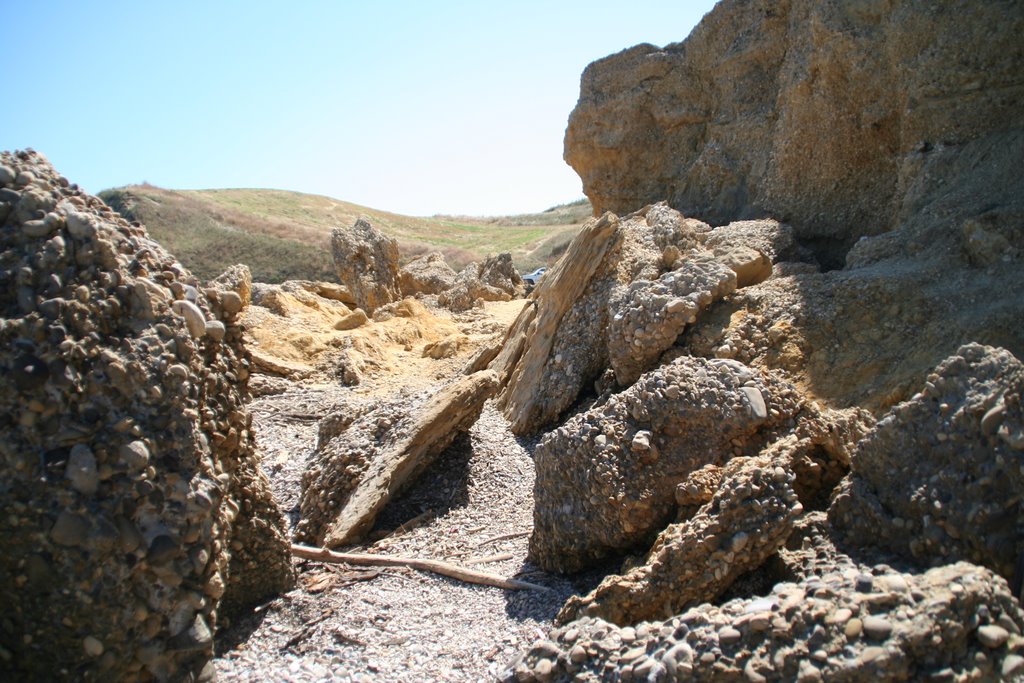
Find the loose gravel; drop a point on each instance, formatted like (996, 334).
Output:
(473, 507)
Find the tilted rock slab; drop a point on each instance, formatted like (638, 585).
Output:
(361, 465)
(939, 478)
(534, 390)
(366, 262)
(619, 297)
(748, 519)
(606, 479)
(135, 512)
(650, 315)
(957, 622)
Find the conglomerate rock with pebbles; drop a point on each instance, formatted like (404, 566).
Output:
(940, 478)
(606, 479)
(956, 622)
(747, 519)
(649, 315)
(653, 277)
(134, 509)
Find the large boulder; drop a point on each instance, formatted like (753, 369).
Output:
(606, 479)
(496, 279)
(938, 479)
(499, 272)
(237, 279)
(135, 512)
(819, 112)
(366, 262)
(428, 274)
(747, 519)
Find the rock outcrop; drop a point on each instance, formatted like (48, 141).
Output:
(938, 479)
(748, 518)
(606, 479)
(496, 279)
(885, 138)
(869, 625)
(499, 272)
(926, 218)
(360, 464)
(620, 297)
(826, 114)
(135, 512)
(366, 262)
(428, 274)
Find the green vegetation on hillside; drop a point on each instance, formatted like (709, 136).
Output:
(286, 235)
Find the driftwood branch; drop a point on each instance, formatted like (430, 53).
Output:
(435, 566)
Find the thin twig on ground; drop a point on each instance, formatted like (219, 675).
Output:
(503, 537)
(489, 558)
(436, 566)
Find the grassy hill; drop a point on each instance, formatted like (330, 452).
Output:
(286, 235)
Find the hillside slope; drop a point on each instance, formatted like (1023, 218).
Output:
(284, 235)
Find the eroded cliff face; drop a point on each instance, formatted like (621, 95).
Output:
(824, 115)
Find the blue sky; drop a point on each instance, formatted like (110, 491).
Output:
(414, 107)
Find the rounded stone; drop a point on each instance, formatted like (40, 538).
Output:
(92, 646)
(729, 635)
(162, 550)
(992, 636)
(194, 319)
(853, 628)
(877, 628)
(81, 470)
(135, 455)
(216, 330)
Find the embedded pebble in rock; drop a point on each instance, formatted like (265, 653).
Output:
(216, 330)
(877, 628)
(131, 494)
(933, 481)
(81, 470)
(598, 495)
(194, 318)
(992, 635)
(729, 641)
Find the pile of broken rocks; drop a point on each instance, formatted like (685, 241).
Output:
(771, 537)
